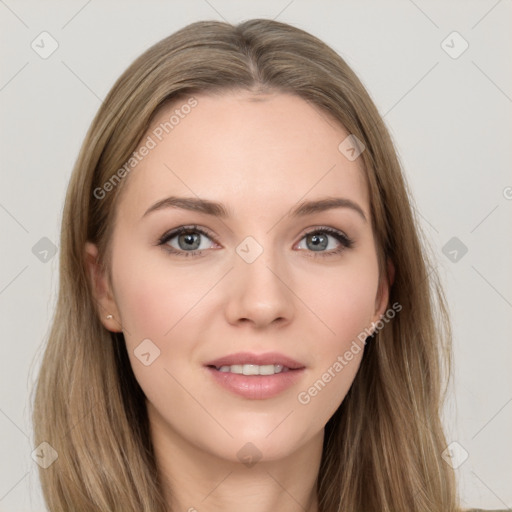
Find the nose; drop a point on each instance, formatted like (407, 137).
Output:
(259, 292)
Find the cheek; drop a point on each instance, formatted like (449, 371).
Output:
(154, 305)
(152, 299)
(346, 304)
(346, 301)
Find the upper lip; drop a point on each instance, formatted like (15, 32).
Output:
(259, 359)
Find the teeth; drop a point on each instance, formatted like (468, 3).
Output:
(254, 369)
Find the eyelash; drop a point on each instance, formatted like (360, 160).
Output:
(345, 241)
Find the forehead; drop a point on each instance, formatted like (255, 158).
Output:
(245, 150)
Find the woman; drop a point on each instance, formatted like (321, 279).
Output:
(245, 314)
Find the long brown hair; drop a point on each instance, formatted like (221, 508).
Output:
(382, 448)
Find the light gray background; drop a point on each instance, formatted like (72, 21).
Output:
(450, 119)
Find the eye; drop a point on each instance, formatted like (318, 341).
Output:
(188, 240)
(318, 240)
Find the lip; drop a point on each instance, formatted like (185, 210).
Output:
(259, 359)
(256, 387)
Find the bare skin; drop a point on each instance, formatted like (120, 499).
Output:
(260, 159)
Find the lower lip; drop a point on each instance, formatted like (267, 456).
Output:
(256, 387)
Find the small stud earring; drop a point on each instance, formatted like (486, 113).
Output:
(109, 316)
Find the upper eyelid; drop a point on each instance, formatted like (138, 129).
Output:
(177, 231)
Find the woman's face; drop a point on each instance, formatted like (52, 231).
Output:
(269, 275)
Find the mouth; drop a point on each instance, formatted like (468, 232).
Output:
(256, 376)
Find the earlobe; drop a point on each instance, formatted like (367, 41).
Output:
(102, 293)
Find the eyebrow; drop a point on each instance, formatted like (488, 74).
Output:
(216, 209)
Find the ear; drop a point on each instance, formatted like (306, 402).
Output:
(102, 291)
(382, 298)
